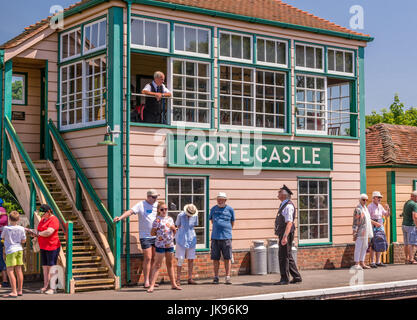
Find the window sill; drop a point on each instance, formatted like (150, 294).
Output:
(312, 135)
(315, 244)
(254, 131)
(170, 126)
(83, 128)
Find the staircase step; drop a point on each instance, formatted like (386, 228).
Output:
(78, 252)
(82, 248)
(84, 259)
(83, 265)
(88, 270)
(94, 281)
(90, 275)
(98, 287)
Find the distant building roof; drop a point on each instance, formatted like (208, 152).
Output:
(266, 10)
(388, 144)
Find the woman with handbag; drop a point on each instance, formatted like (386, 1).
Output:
(362, 232)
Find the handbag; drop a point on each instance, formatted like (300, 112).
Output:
(35, 245)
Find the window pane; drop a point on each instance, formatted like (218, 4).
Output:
(236, 46)
(246, 48)
(162, 35)
(179, 38)
(87, 38)
(339, 61)
(281, 53)
(203, 41)
(260, 45)
(150, 34)
(270, 51)
(94, 36)
(299, 56)
(137, 31)
(348, 62)
(319, 58)
(225, 44)
(330, 60)
(65, 46)
(190, 40)
(310, 57)
(103, 32)
(71, 44)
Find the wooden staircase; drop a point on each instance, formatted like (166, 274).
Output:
(88, 268)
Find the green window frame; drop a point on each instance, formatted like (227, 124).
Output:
(176, 199)
(312, 219)
(414, 184)
(16, 91)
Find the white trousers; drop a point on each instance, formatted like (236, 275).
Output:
(361, 245)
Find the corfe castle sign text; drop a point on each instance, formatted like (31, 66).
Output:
(237, 153)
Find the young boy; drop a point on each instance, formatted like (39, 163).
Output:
(14, 236)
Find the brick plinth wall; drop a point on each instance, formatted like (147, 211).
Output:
(398, 252)
(203, 267)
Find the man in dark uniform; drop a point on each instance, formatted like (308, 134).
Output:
(153, 105)
(284, 229)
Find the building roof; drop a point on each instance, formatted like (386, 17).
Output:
(258, 11)
(388, 144)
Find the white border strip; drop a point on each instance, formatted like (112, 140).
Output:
(326, 291)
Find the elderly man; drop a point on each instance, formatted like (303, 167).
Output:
(153, 105)
(377, 212)
(223, 218)
(146, 210)
(409, 228)
(284, 229)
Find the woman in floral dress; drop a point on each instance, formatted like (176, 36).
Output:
(164, 229)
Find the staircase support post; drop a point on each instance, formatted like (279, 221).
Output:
(8, 72)
(32, 206)
(68, 258)
(115, 121)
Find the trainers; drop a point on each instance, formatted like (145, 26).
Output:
(228, 281)
(50, 291)
(381, 264)
(216, 280)
(373, 265)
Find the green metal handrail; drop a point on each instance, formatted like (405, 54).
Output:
(67, 226)
(80, 174)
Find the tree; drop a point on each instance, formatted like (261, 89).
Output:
(395, 115)
(9, 201)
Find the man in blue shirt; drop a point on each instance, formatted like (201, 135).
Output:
(222, 217)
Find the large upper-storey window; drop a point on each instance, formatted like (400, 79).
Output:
(252, 98)
(191, 88)
(309, 57)
(71, 44)
(95, 36)
(150, 34)
(340, 61)
(83, 90)
(271, 52)
(235, 47)
(192, 40)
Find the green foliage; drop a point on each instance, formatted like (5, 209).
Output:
(17, 90)
(395, 115)
(10, 203)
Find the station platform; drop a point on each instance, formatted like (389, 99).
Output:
(316, 284)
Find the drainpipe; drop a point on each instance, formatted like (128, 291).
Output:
(127, 234)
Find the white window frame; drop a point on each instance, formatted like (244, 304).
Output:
(84, 123)
(305, 57)
(270, 63)
(305, 131)
(250, 60)
(352, 74)
(254, 98)
(206, 209)
(61, 44)
(189, 53)
(144, 47)
(105, 38)
(320, 240)
(209, 102)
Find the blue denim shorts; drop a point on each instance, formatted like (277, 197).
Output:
(163, 250)
(146, 243)
(2, 263)
(410, 236)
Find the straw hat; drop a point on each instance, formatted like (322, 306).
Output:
(190, 210)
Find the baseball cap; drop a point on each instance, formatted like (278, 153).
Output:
(44, 208)
(152, 192)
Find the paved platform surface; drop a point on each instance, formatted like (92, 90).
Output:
(244, 285)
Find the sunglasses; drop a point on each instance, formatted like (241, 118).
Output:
(163, 209)
(154, 197)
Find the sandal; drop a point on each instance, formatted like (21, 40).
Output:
(191, 281)
(366, 267)
(42, 290)
(149, 291)
(176, 288)
(412, 262)
(9, 296)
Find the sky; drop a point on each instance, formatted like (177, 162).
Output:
(390, 60)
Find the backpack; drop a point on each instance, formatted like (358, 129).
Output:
(379, 241)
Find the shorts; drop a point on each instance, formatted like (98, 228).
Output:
(2, 263)
(146, 243)
(182, 253)
(14, 259)
(223, 246)
(410, 236)
(49, 257)
(164, 250)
